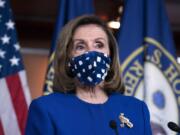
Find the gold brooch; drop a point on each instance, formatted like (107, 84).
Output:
(125, 121)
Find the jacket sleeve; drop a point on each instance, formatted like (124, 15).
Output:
(146, 116)
(38, 122)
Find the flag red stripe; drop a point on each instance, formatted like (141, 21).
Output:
(18, 100)
(1, 129)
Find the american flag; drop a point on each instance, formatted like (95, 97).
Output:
(14, 93)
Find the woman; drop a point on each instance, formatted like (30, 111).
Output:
(87, 84)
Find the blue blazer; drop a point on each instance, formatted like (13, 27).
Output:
(66, 114)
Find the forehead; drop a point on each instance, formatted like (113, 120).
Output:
(88, 31)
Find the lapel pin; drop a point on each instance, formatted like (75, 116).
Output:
(125, 121)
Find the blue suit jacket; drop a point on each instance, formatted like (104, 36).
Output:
(66, 114)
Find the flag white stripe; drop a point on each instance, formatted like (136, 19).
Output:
(26, 91)
(7, 113)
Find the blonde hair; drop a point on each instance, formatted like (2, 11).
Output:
(63, 80)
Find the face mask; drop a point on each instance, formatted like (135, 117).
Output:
(90, 68)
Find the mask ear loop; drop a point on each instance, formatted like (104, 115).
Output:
(110, 72)
(68, 71)
(68, 58)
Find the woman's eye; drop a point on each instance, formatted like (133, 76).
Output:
(99, 45)
(79, 47)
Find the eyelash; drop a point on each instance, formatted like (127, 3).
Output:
(99, 44)
(79, 46)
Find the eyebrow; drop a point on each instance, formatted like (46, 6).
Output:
(77, 40)
(99, 38)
